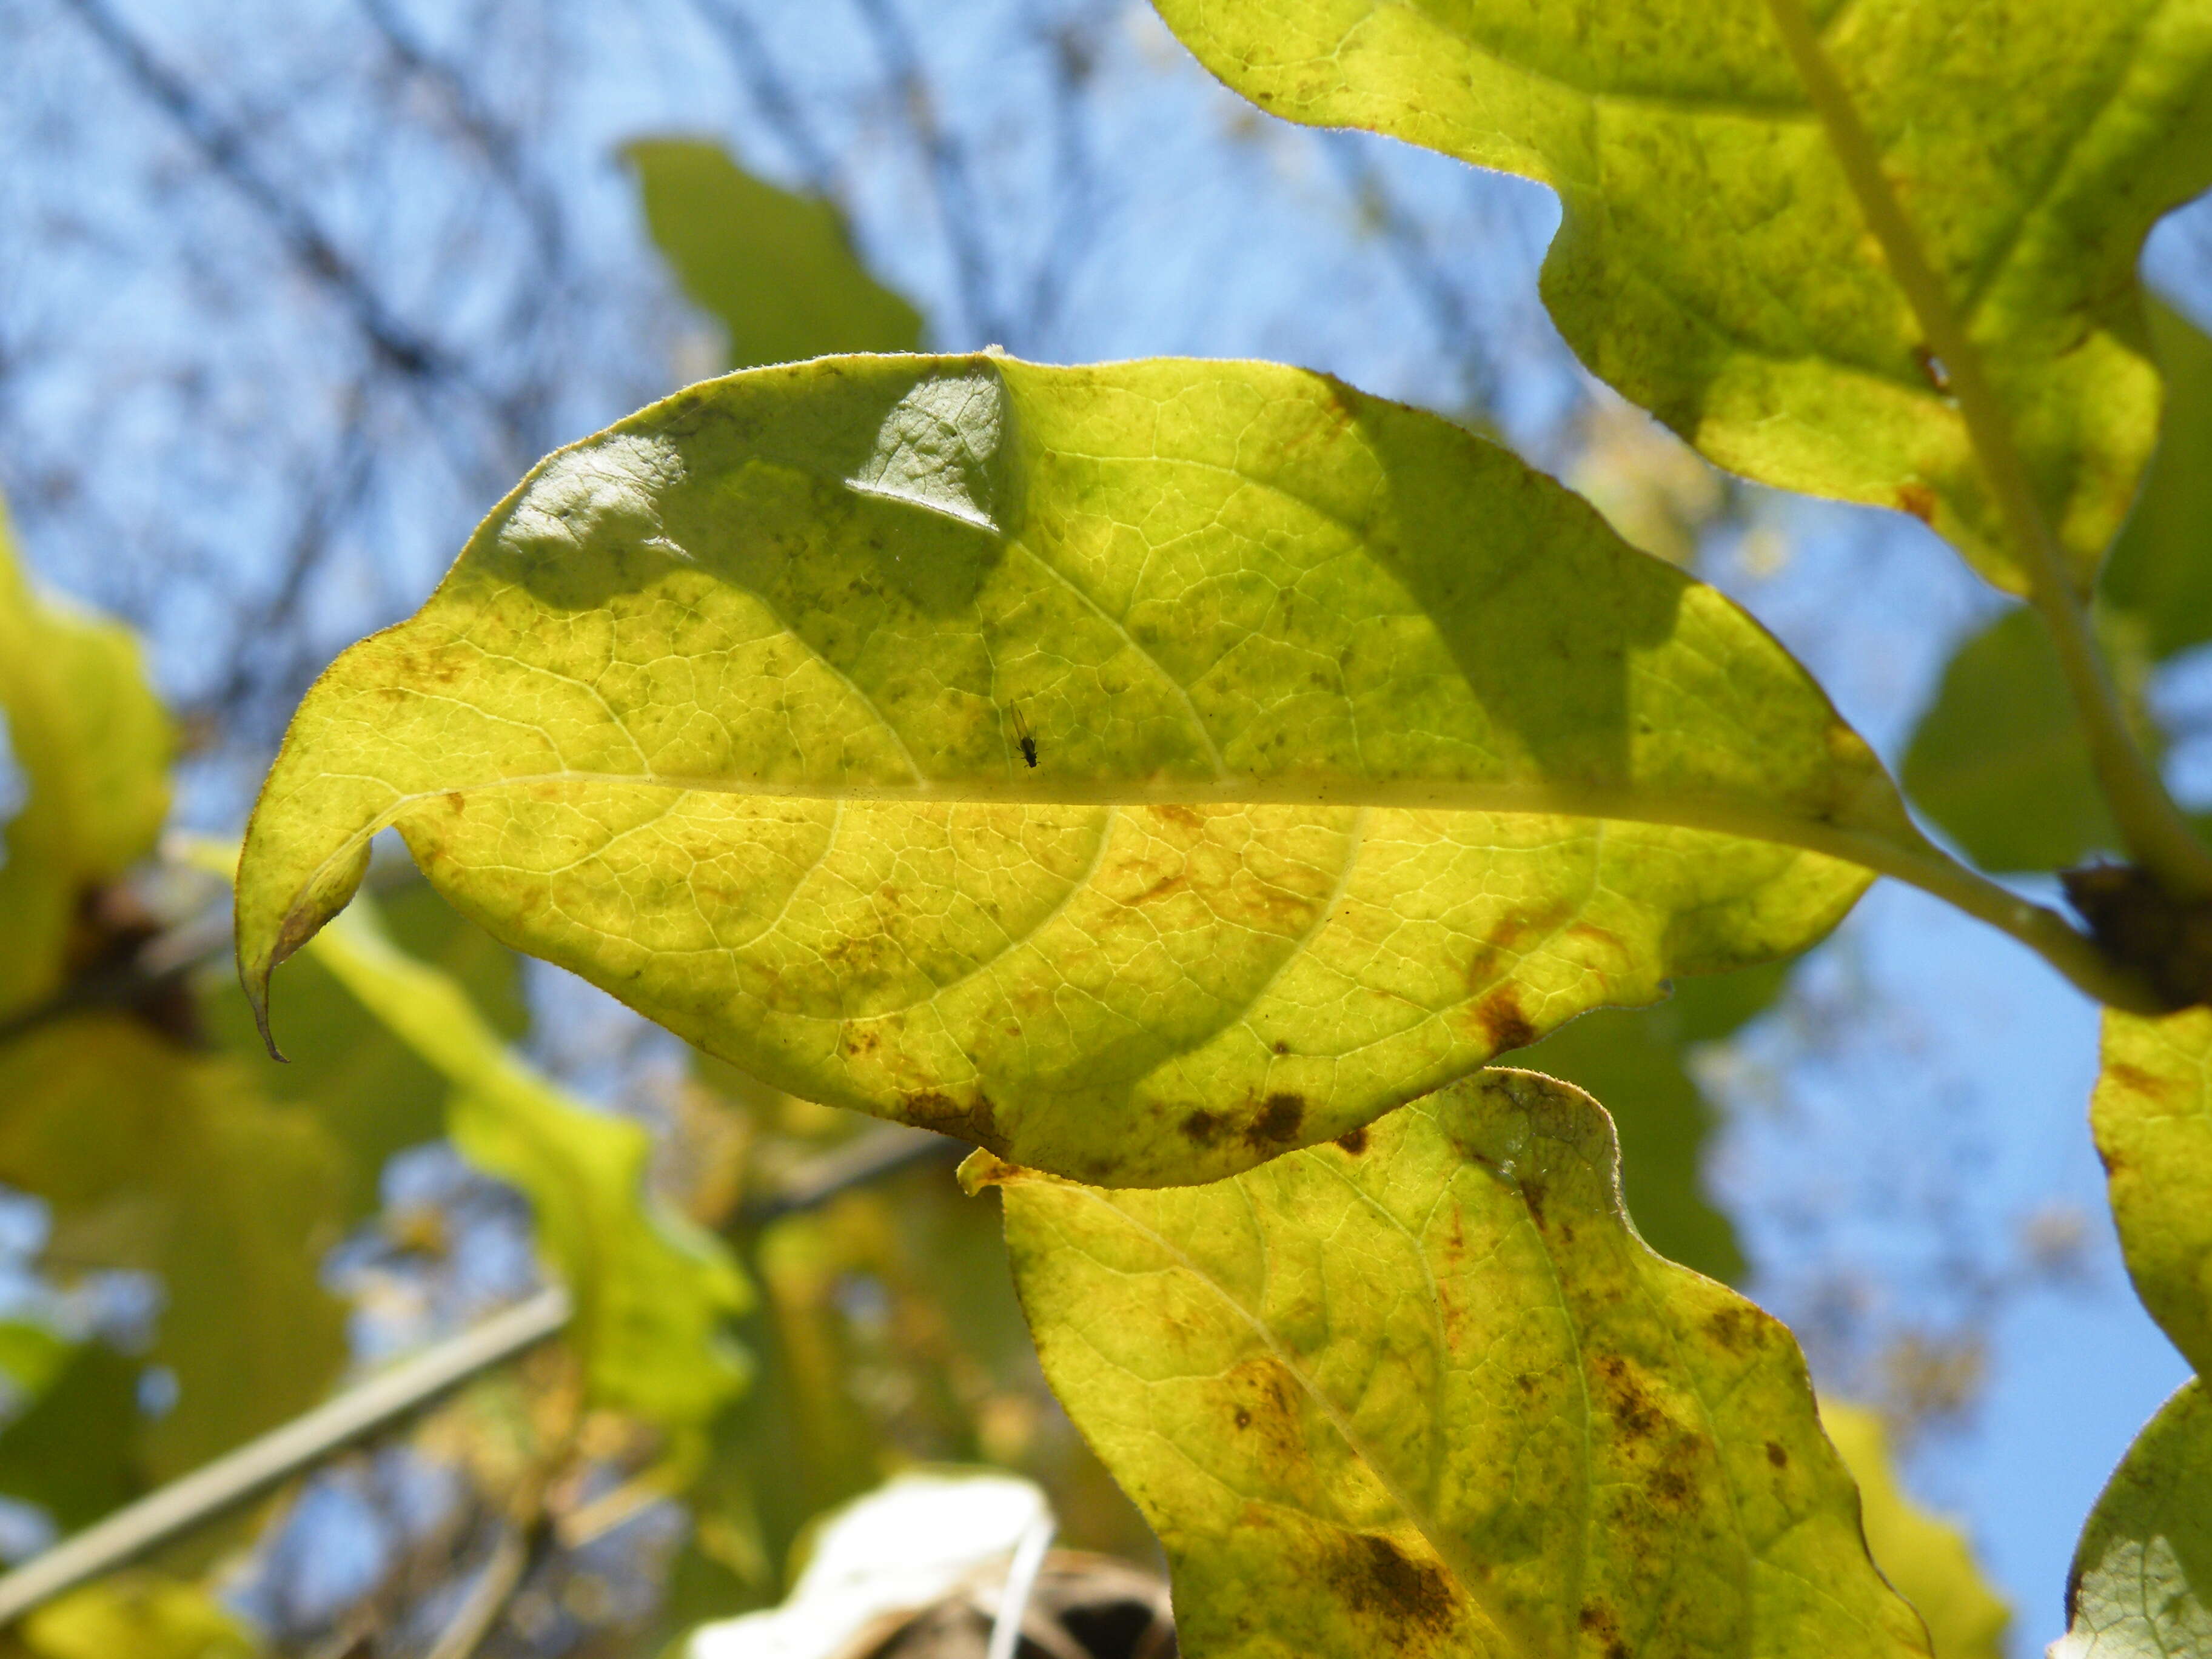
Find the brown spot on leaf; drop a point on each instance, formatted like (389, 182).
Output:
(1280, 1115)
(1189, 817)
(1919, 500)
(1503, 1025)
(1532, 1194)
(1204, 1127)
(1777, 1456)
(1353, 1141)
(1243, 1417)
(1731, 1328)
(1282, 1048)
(1376, 1577)
(456, 801)
(974, 1123)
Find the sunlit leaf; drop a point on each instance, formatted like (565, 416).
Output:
(141, 1616)
(1926, 1559)
(2141, 1587)
(653, 1292)
(2161, 572)
(32, 1352)
(1363, 753)
(1425, 1392)
(84, 756)
(1637, 1059)
(1714, 264)
(163, 1161)
(776, 269)
(2152, 1113)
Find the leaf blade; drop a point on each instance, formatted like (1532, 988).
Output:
(1712, 264)
(1257, 642)
(1426, 1392)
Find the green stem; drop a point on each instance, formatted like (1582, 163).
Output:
(2156, 834)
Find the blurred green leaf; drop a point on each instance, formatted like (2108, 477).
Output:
(31, 1355)
(138, 1616)
(2152, 1115)
(374, 1093)
(78, 1452)
(778, 268)
(90, 745)
(1927, 1559)
(654, 1293)
(2141, 1587)
(2160, 569)
(1999, 760)
(1423, 1392)
(157, 1160)
(1637, 1059)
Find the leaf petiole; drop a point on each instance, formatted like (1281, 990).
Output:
(2156, 833)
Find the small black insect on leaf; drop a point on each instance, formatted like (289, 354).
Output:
(1021, 736)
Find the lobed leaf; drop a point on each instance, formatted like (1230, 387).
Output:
(1426, 1392)
(84, 758)
(654, 1294)
(1363, 753)
(2152, 1117)
(775, 267)
(1925, 1558)
(2141, 1587)
(1713, 264)
(1638, 1059)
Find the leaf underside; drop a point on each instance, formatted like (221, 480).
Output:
(1425, 1392)
(1363, 752)
(2141, 1586)
(1713, 264)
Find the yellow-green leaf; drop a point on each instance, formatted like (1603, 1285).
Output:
(776, 269)
(89, 746)
(1926, 1559)
(138, 1616)
(2152, 1115)
(1426, 1392)
(2141, 1586)
(1713, 263)
(2161, 572)
(78, 1453)
(1363, 753)
(163, 1161)
(1637, 1059)
(654, 1293)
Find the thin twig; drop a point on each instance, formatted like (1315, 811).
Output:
(2157, 833)
(487, 1598)
(283, 1452)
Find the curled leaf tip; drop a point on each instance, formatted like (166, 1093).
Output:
(981, 1168)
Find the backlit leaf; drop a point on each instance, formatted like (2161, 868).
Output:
(84, 756)
(1713, 264)
(160, 1160)
(2152, 1115)
(2141, 1586)
(653, 1292)
(1363, 753)
(1926, 1559)
(1637, 1058)
(775, 267)
(139, 1615)
(1425, 1392)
